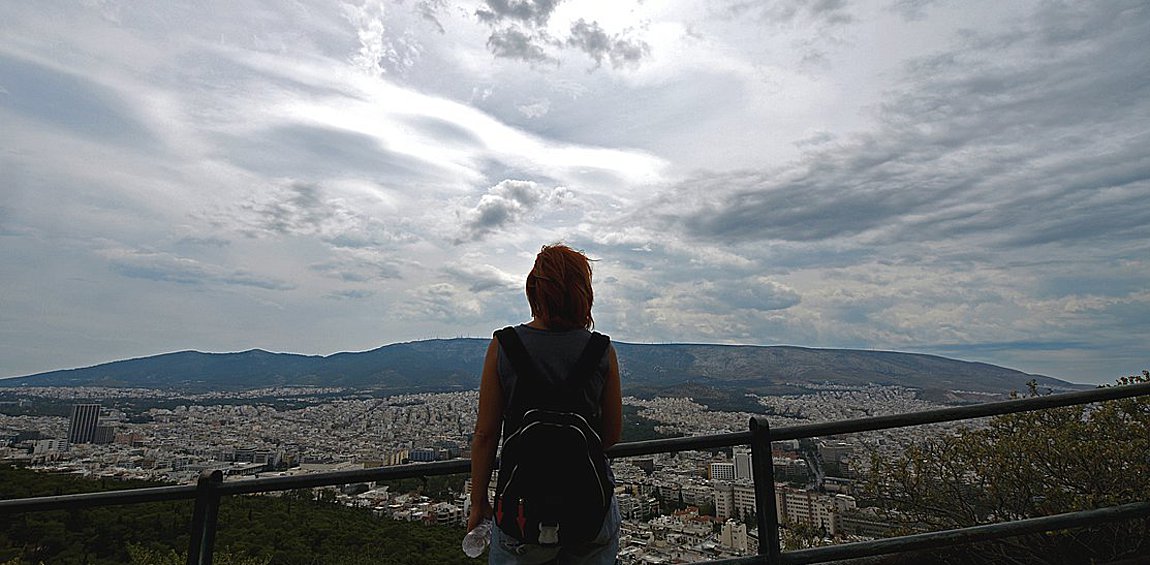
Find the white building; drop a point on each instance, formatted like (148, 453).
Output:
(733, 500)
(742, 459)
(818, 510)
(697, 495)
(734, 536)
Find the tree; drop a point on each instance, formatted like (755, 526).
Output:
(292, 529)
(800, 535)
(750, 518)
(140, 555)
(707, 508)
(1027, 465)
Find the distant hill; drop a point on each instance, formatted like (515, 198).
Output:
(455, 364)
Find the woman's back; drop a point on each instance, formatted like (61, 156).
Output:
(560, 295)
(554, 354)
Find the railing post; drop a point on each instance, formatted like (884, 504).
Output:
(763, 472)
(204, 518)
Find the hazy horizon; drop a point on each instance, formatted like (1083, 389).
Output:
(969, 180)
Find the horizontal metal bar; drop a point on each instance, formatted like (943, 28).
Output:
(266, 484)
(1083, 518)
(748, 560)
(670, 445)
(986, 532)
(105, 498)
(958, 413)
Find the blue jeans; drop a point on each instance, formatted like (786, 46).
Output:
(505, 550)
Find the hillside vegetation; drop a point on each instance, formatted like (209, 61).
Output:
(454, 364)
(1028, 465)
(293, 529)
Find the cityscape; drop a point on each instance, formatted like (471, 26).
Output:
(676, 507)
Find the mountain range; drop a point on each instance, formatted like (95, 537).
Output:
(647, 369)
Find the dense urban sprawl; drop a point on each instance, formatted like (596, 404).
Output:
(677, 507)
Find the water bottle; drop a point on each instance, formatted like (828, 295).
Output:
(476, 540)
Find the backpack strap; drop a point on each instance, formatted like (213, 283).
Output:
(588, 361)
(527, 385)
(524, 370)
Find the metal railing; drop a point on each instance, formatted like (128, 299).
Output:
(211, 486)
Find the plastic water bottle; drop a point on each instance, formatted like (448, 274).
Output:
(476, 540)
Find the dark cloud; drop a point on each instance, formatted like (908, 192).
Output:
(308, 209)
(1104, 279)
(512, 43)
(531, 12)
(518, 33)
(596, 43)
(966, 348)
(831, 11)
(7, 226)
(831, 201)
(243, 278)
(816, 139)
(429, 10)
(483, 278)
(163, 267)
(756, 293)
(504, 203)
(825, 11)
(823, 17)
(142, 268)
(352, 241)
(301, 210)
(354, 294)
(912, 10)
(358, 270)
(207, 241)
(1008, 140)
(71, 102)
(518, 29)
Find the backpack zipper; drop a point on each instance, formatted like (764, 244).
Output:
(576, 414)
(590, 461)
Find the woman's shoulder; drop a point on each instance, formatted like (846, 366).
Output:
(528, 328)
(576, 335)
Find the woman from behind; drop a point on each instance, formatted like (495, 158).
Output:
(554, 498)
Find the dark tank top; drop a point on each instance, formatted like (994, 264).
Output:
(555, 354)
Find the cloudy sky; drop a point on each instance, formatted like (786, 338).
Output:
(963, 178)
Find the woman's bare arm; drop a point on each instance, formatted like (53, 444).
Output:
(486, 438)
(612, 402)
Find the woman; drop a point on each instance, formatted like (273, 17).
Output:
(560, 295)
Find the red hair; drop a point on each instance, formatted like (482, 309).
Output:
(559, 288)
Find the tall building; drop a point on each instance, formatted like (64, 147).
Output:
(104, 434)
(85, 418)
(724, 501)
(734, 500)
(742, 459)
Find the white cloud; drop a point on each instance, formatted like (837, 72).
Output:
(536, 109)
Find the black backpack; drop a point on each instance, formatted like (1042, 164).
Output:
(553, 486)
